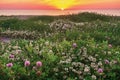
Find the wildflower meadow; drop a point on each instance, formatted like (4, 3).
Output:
(84, 46)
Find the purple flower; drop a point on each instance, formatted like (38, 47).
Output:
(100, 70)
(74, 45)
(27, 63)
(11, 56)
(9, 64)
(38, 63)
(110, 45)
(5, 40)
(107, 61)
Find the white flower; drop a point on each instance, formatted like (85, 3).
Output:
(16, 47)
(18, 51)
(61, 62)
(64, 76)
(47, 43)
(66, 69)
(99, 63)
(81, 64)
(94, 59)
(94, 77)
(96, 55)
(90, 58)
(73, 63)
(109, 53)
(117, 52)
(93, 65)
(50, 51)
(86, 69)
(68, 60)
(78, 72)
(63, 53)
(56, 69)
(71, 68)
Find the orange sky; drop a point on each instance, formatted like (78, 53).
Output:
(59, 4)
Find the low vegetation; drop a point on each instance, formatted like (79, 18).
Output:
(84, 46)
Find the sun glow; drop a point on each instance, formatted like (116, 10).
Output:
(62, 9)
(61, 4)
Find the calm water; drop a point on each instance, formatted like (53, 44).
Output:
(57, 12)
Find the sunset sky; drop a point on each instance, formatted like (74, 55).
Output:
(59, 4)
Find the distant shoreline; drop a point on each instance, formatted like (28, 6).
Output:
(24, 17)
(28, 13)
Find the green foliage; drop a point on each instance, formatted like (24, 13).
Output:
(8, 23)
(50, 41)
(88, 17)
(72, 34)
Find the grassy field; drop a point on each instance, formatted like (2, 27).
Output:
(83, 46)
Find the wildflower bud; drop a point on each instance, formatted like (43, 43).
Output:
(9, 64)
(74, 45)
(38, 63)
(27, 63)
(107, 62)
(11, 56)
(38, 73)
(100, 70)
(110, 46)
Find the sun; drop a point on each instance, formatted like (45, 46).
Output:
(62, 9)
(61, 4)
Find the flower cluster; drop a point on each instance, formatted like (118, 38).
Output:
(66, 50)
(20, 34)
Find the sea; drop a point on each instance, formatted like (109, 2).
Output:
(111, 12)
